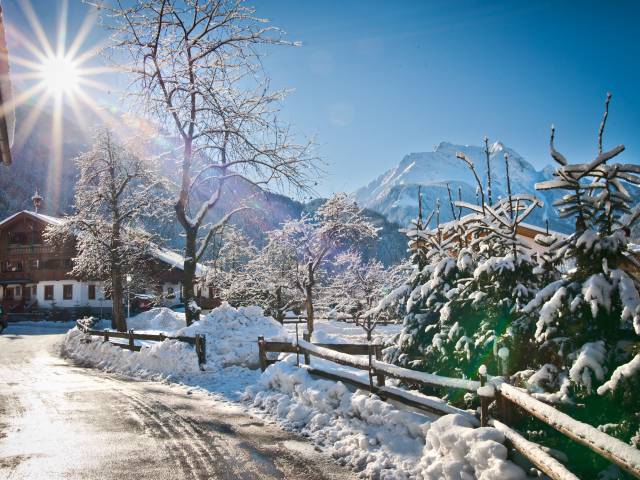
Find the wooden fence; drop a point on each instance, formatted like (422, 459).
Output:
(301, 319)
(508, 398)
(199, 341)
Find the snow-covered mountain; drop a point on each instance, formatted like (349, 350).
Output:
(395, 192)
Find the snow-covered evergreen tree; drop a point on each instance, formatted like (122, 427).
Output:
(478, 275)
(586, 324)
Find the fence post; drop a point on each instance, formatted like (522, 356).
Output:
(201, 350)
(505, 408)
(379, 375)
(131, 341)
(307, 338)
(484, 403)
(262, 354)
(370, 372)
(297, 348)
(106, 335)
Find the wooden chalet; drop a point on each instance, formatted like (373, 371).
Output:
(35, 276)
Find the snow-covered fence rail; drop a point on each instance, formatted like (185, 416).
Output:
(614, 450)
(534, 452)
(265, 347)
(199, 341)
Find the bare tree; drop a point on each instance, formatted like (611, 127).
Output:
(197, 73)
(115, 193)
(338, 224)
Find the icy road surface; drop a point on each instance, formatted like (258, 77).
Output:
(58, 420)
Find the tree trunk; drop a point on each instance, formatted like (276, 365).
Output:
(118, 320)
(308, 301)
(189, 275)
(279, 305)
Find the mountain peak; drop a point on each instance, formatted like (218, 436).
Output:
(445, 147)
(394, 192)
(496, 147)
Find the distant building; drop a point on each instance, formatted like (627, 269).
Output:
(35, 276)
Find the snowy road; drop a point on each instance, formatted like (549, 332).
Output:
(58, 420)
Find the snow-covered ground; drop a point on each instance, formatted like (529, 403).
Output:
(375, 438)
(334, 331)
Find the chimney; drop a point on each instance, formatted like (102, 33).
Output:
(37, 200)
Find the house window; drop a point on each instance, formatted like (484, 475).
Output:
(51, 264)
(67, 292)
(170, 292)
(12, 266)
(66, 263)
(35, 264)
(48, 292)
(92, 292)
(17, 238)
(8, 293)
(27, 293)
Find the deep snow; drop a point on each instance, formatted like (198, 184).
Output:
(375, 438)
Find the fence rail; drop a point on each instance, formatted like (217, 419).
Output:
(303, 320)
(507, 398)
(199, 341)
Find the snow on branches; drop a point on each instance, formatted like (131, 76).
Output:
(115, 193)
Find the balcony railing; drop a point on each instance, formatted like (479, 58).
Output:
(35, 250)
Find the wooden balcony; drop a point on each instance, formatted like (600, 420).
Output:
(36, 250)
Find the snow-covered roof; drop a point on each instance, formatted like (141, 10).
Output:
(175, 260)
(542, 230)
(169, 257)
(38, 216)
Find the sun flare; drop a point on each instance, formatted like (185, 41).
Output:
(60, 74)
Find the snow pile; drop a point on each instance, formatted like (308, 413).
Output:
(232, 334)
(166, 359)
(231, 337)
(454, 449)
(374, 437)
(158, 319)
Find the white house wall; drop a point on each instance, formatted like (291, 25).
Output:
(80, 297)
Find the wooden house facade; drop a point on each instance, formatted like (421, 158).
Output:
(36, 276)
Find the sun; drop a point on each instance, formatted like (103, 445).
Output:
(57, 73)
(60, 75)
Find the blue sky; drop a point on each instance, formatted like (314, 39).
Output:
(376, 80)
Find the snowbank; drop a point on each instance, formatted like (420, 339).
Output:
(374, 437)
(158, 360)
(160, 319)
(231, 335)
